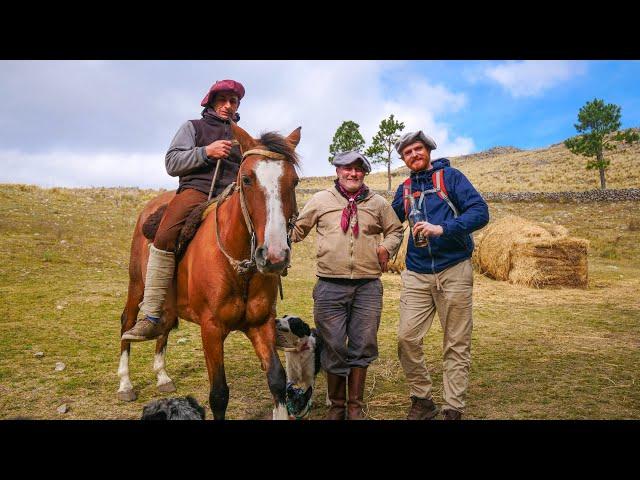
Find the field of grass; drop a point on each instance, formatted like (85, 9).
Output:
(552, 169)
(537, 354)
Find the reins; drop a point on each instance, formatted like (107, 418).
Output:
(240, 266)
(248, 265)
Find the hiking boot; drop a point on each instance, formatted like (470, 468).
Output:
(337, 390)
(355, 403)
(144, 329)
(451, 414)
(422, 409)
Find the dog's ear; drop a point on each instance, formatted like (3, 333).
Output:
(299, 327)
(307, 395)
(196, 406)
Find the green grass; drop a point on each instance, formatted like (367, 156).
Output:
(537, 354)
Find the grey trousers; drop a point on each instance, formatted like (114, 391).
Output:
(347, 316)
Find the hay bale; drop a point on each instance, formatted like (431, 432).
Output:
(397, 264)
(531, 254)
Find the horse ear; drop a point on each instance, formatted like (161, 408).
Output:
(294, 137)
(246, 141)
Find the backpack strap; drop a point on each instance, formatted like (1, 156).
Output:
(406, 192)
(437, 179)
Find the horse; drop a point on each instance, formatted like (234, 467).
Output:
(228, 276)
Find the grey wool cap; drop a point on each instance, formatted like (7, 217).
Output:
(343, 159)
(411, 137)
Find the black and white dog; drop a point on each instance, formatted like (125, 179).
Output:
(302, 347)
(179, 408)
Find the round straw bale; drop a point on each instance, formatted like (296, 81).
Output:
(531, 253)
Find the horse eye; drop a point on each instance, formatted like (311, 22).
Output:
(246, 180)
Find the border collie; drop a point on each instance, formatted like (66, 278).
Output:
(302, 347)
(179, 408)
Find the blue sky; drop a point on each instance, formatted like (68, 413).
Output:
(109, 123)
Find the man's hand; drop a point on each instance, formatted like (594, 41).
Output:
(383, 257)
(428, 229)
(218, 149)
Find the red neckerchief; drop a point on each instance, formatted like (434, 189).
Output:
(351, 210)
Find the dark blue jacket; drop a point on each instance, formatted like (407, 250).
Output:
(456, 243)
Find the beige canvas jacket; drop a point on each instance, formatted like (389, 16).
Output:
(340, 254)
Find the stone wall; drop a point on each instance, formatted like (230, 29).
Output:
(626, 194)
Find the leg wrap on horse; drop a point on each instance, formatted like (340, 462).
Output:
(160, 271)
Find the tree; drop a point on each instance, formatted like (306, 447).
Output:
(382, 144)
(346, 138)
(598, 121)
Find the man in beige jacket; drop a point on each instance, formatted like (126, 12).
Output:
(347, 297)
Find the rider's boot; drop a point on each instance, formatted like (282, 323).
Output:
(160, 269)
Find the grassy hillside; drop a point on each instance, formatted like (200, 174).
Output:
(549, 169)
(537, 354)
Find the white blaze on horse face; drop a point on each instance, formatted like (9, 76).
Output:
(268, 174)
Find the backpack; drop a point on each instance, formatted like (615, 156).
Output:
(437, 179)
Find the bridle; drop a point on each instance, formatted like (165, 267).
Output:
(249, 265)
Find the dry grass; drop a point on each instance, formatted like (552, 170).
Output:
(537, 354)
(551, 169)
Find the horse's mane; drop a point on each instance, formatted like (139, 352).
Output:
(277, 143)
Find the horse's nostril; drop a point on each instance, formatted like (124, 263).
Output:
(261, 253)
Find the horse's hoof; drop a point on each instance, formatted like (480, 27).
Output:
(128, 396)
(168, 387)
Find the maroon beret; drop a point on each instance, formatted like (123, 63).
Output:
(223, 86)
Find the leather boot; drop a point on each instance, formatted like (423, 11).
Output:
(357, 376)
(422, 409)
(337, 390)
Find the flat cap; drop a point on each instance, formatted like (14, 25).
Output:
(411, 137)
(343, 159)
(223, 86)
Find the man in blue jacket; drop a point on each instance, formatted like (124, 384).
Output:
(439, 276)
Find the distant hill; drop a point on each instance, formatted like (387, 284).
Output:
(509, 169)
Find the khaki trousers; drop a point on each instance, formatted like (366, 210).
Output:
(450, 295)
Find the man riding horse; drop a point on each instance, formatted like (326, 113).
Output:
(193, 155)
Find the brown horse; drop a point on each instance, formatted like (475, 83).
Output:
(228, 277)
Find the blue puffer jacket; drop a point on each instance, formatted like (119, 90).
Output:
(456, 243)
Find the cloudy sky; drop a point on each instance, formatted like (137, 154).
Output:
(109, 123)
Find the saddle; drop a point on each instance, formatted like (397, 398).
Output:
(188, 230)
(191, 224)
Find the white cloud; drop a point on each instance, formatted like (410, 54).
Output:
(69, 169)
(532, 77)
(112, 116)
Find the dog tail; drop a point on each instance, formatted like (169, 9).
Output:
(317, 351)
